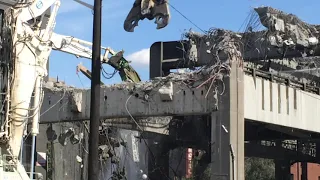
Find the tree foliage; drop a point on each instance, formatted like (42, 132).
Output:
(255, 169)
(258, 168)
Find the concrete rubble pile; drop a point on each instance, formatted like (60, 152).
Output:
(192, 79)
(220, 44)
(287, 32)
(287, 29)
(287, 43)
(285, 36)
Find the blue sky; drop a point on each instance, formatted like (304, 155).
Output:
(75, 20)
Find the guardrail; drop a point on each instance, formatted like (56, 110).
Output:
(280, 79)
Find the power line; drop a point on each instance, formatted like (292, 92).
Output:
(186, 17)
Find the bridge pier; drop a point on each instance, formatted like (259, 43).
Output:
(227, 132)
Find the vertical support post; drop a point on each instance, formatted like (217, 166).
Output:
(49, 169)
(158, 162)
(21, 151)
(33, 147)
(282, 170)
(238, 121)
(93, 172)
(35, 122)
(227, 128)
(278, 169)
(156, 58)
(155, 70)
(304, 169)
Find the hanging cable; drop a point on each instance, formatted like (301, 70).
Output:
(107, 75)
(186, 17)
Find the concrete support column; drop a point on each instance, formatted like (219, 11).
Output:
(282, 170)
(46, 78)
(227, 132)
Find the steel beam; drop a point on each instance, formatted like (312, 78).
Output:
(175, 54)
(157, 125)
(128, 99)
(85, 71)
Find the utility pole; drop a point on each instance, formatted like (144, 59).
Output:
(93, 172)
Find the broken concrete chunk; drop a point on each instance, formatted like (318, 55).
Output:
(79, 159)
(273, 41)
(279, 25)
(76, 100)
(166, 92)
(313, 41)
(49, 84)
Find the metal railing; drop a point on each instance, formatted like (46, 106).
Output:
(308, 87)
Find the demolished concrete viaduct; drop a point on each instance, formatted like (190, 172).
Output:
(215, 90)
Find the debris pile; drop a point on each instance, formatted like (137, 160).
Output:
(284, 35)
(214, 47)
(219, 42)
(194, 79)
(287, 29)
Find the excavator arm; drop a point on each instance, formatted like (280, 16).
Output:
(81, 48)
(27, 39)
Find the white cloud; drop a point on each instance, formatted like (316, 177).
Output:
(140, 58)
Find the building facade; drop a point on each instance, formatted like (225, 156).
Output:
(305, 171)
